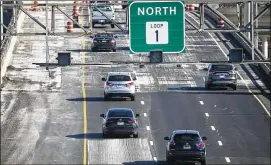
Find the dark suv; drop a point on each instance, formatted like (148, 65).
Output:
(222, 75)
(186, 145)
(104, 41)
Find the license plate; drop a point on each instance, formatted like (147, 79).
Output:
(187, 147)
(103, 41)
(120, 123)
(222, 76)
(101, 20)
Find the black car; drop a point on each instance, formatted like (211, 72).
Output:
(120, 121)
(221, 75)
(186, 145)
(124, 6)
(104, 41)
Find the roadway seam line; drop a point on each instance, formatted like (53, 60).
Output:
(220, 143)
(201, 102)
(227, 160)
(263, 106)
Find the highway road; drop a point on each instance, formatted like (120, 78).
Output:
(46, 117)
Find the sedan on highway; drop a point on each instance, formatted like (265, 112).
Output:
(104, 41)
(120, 121)
(186, 145)
(221, 75)
(119, 84)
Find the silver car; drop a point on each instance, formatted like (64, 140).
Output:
(119, 84)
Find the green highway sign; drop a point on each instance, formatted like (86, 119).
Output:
(157, 25)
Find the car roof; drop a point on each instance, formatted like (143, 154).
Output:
(120, 109)
(119, 73)
(221, 64)
(103, 35)
(186, 132)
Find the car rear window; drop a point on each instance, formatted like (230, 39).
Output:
(186, 137)
(222, 67)
(119, 78)
(103, 8)
(120, 114)
(103, 35)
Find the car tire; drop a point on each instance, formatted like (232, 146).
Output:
(105, 136)
(93, 24)
(234, 87)
(132, 98)
(106, 98)
(94, 50)
(169, 161)
(135, 135)
(114, 50)
(208, 87)
(203, 162)
(112, 26)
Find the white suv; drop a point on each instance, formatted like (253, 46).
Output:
(119, 84)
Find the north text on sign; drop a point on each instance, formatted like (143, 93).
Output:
(156, 11)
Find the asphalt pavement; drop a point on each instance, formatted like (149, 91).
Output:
(45, 124)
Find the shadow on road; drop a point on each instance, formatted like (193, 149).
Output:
(159, 162)
(96, 136)
(96, 99)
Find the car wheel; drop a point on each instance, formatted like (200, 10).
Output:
(94, 50)
(106, 98)
(135, 135)
(169, 161)
(234, 87)
(105, 135)
(132, 98)
(112, 26)
(208, 87)
(203, 162)
(114, 50)
(93, 25)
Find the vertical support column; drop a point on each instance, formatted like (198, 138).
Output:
(46, 20)
(127, 17)
(1, 19)
(256, 24)
(252, 30)
(15, 16)
(201, 7)
(241, 14)
(265, 46)
(247, 16)
(53, 19)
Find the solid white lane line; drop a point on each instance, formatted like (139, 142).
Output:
(213, 128)
(145, 114)
(148, 127)
(220, 143)
(142, 102)
(155, 159)
(151, 142)
(201, 102)
(207, 114)
(227, 160)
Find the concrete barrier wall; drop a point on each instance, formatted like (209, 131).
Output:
(264, 68)
(7, 58)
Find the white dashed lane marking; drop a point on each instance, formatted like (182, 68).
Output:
(201, 102)
(145, 114)
(142, 102)
(207, 114)
(213, 128)
(227, 160)
(220, 143)
(148, 127)
(151, 143)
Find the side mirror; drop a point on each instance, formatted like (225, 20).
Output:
(166, 138)
(134, 78)
(102, 115)
(137, 115)
(204, 138)
(103, 79)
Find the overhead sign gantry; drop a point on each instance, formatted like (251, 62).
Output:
(157, 25)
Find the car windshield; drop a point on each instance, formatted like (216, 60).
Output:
(103, 8)
(120, 113)
(186, 137)
(222, 67)
(119, 78)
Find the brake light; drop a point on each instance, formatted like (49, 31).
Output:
(201, 145)
(131, 121)
(113, 41)
(130, 84)
(172, 144)
(109, 84)
(94, 41)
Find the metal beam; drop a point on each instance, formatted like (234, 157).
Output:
(258, 16)
(33, 18)
(53, 25)
(252, 30)
(109, 18)
(223, 17)
(6, 29)
(73, 20)
(201, 7)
